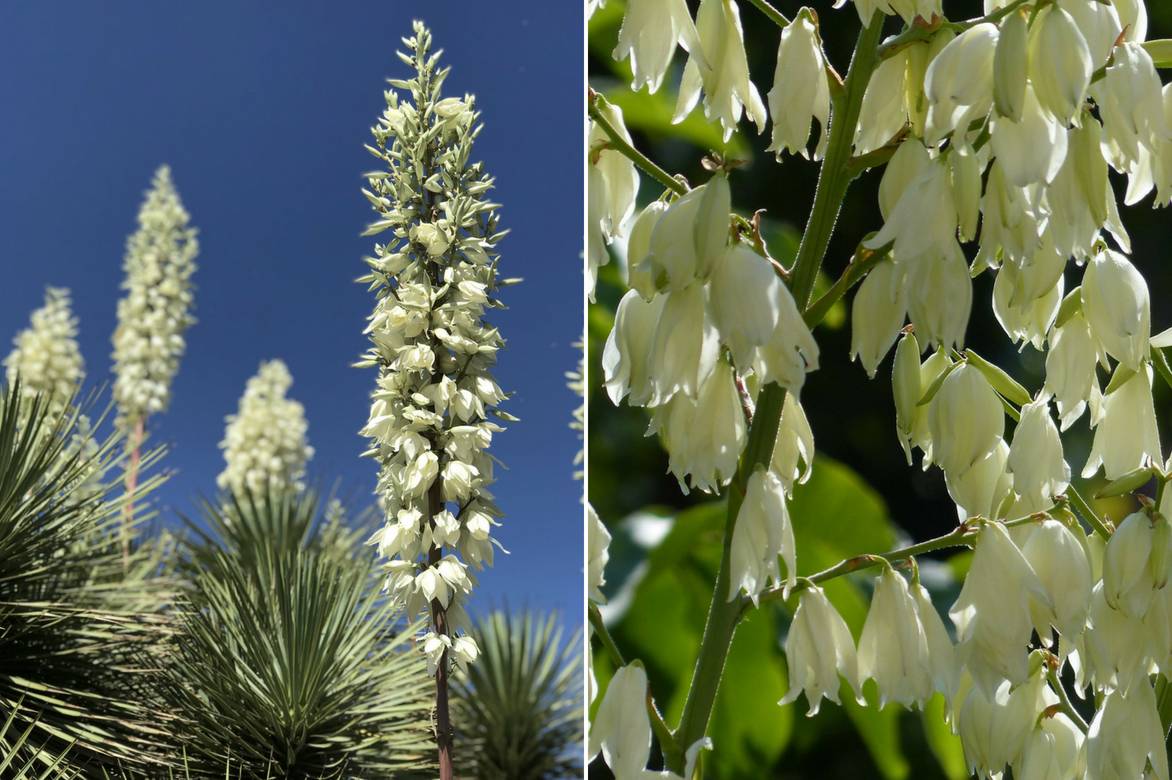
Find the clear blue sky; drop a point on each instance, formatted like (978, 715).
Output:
(262, 109)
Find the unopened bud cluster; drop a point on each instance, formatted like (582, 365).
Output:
(265, 446)
(434, 278)
(1000, 136)
(156, 309)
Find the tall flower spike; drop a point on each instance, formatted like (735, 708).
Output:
(45, 355)
(265, 446)
(156, 310)
(430, 427)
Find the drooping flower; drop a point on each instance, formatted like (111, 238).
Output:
(1060, 561)
(1070, 367)
(793, 450)
(744, 297)
(762, 535)
(1052, 751)
(720, 70)
(1126, 734)
(612, 183)
(818, 649)
(1118, 309)
(800, 93)
(689, 239)
(1135, 564)
(598, 544)
(959, 82)
(877, 314)
(1126, 434)
(1039, 470)
(1060, 63)
(649, 34)
(893, 648)
(265, 446)
(966, 420)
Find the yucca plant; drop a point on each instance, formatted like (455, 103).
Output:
(287, 661)
(519, 707)
(72, 635)
(17, 763)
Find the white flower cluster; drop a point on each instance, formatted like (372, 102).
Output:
(45, 355)
(152, 317)
(429, 422)
(1000, 133)
(265, 446)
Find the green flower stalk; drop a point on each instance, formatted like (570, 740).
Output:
(265, 446)
(429, 424)
(152, 316)
(45, 355)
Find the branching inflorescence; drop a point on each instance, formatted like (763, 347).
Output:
(998, 133)
(430, 420)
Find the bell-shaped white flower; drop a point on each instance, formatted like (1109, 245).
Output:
(940, 295)
(1115, 300)
(1039, 470)
(1052, 751)
(1099, 24)
(791, 350)
(966, 419)
(893, 648)
(994, 726)
(907, 390)
(621, 729)
(1126, 734)
(1126, 436)
(1114, 646)
(685, 347)
(793, 450)
(1080, 198)
(721, 71)
(1130, 104)
(598, 544)
(689, 239)
(877, 314)
(985, 488)
(1070, 367)
(818, 649)
(1025, 319)
(649, 34)
(1012, 219)
(965, 169)
(743, 297)
(761, 535)
(1011, 67)
(924, 219)
(612, 183)
(800, 91)
(1031, 150)
(992, 612)
(626, 356)
(941, 652)
(910, 162)
(1060, 63)
(1134, 553)
(640, 274)
(1060, 561)
(959, 82)
(704, 437)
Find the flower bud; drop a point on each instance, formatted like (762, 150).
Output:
(1060, 561)
(877, 314)
(762, 534)
(1060, 64)
(685, 348)
(649, 34)
(704, 437)
(965, 169)
(1080, 197)
(1070, 367)
(800, 91)
(893, 648)
(906, 389)
(743, 298)
(793, 451)
(1039, 470)
(1115, 299)
(626, 356)
(818, 649)
(722, 72)
(1126, 734)
(959, 82)
(966, 420)
(1126, 435)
